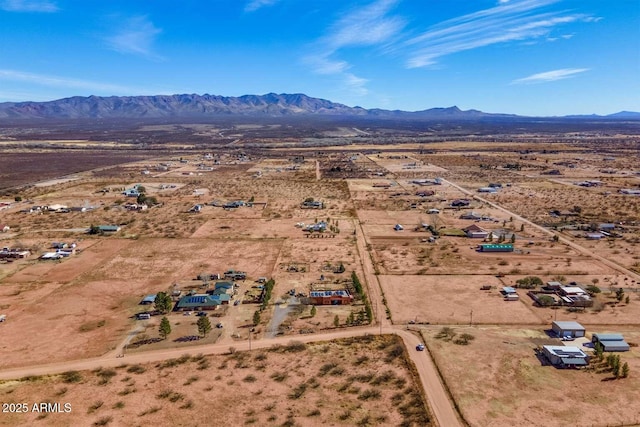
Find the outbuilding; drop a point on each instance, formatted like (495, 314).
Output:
(610, 342)
(568, 329)
(495, 247)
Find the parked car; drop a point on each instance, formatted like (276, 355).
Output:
(420, 347)
(567, 338)
(201, 314)
(219, 326)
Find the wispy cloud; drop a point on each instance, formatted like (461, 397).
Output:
(254, 5)
(28, 6)
(136, 36)
(523, 21)
(62, 82)
(370, 25)
(550, 76)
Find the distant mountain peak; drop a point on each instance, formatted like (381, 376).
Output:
(198, 106)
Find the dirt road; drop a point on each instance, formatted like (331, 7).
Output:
(435, 391)
(574, 245)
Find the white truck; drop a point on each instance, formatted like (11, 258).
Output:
(3, 317)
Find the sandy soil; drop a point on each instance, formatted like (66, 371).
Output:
(367, 381)
(498, 381)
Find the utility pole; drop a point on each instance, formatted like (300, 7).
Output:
(249, 340)
(471, 318)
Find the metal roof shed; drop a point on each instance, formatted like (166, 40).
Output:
(568, 328)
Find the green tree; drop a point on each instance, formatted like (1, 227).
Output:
(599, 351)
(546, 300)
(556, 238)
(94, 229)
(163, 302)
(204, 325)
(314, 310)
(529, 282)
(336, 321)
(165, 328)
(619, 294)
(626, 299)
(521, 227)
(625, 370)
(17, 199)
(256, 318)
(513, 238)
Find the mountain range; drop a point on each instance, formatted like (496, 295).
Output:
(269, 105)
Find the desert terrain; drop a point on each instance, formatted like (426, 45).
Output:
(391, 221)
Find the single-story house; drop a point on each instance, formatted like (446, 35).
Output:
(475, 232)
(568, 329)
(132, 192)
(487, 190)
(59, 245)
(56, 207)
(149, 299)
(565, 356)
(339, 297)
(460, 202)
(506, 290)
(554, 285)
(222, 288)
(495, 247)
(594, 236)
(610, 342)
(198, 302)
(313, 204)
(4, 228)
(471, 215)
(569, 291)
(109, 228)
(51, 255)
(606, 227)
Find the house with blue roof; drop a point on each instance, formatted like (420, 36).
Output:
(198, 302)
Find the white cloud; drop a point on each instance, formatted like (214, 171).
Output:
(55, 81)
(510, 21)
(254, 5)
(550, 76)
(28, 6)
(136, 36)
(370, 25)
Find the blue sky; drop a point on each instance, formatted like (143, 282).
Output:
(530, 57)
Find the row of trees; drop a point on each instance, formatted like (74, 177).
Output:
(619, 370)
(203, 323)
(360, 291)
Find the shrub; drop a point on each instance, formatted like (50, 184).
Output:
(103, 421)
(71, 377)
(136, 369)
(298, 391)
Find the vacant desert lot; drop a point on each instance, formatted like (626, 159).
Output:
(451, 299)
(359, 381)
(497, 380)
